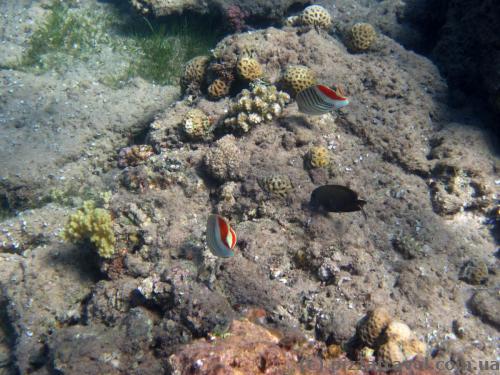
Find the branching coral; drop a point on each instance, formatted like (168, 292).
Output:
(92, 224)
(264, 103)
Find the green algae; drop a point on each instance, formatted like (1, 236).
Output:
(154, 50)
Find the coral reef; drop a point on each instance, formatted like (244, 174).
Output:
(279, 185)
(134, 155)
(362, 36)
(196, 125)
(218, 89)
(249, 69)
(318, 157)
(297, 78)
(316, 16)
(92, 224)
(263, 103)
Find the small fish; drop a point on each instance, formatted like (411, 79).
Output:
(221, 238)
(320, 99)
(336, 198)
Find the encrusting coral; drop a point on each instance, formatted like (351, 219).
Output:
(92, 224)
(264, 103)
(196, 125)
(362, 36)
(297, 78)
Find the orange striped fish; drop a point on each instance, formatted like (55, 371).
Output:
(221, 238)
(320, 99)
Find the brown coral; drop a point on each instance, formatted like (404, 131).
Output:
(362, 36)
(298, 78)
(249, 68)
(317, 16)
(218, 89)
(372, 326)
(194, 71)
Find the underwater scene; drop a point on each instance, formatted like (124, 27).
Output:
(219, 187)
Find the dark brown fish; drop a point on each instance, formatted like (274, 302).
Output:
(336, 198)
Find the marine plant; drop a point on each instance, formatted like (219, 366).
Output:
(150, 49)
(90, 223)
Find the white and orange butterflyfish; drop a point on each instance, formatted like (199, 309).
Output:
(221, 238)
(320, 99)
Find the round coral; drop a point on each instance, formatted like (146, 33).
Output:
(278, 185)
(318, 157)
(194, 71)
(298, 78)
(317, 16)
(372, 326)
(196, 124)
(223, 161)
(249, 68)
(218, 89)
(363, 36)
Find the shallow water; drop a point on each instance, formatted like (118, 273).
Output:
(102, 102)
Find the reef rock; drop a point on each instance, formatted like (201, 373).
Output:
(267, 9)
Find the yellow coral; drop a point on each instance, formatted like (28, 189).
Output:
(196, 124)
(194, 71)
(318, 157)
(249, 68)
(362, 36)
(93, 224)
(298, 78)
(218, 88)
(316, 15)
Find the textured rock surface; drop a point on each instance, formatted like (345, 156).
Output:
(428, 175)
(267, 9)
